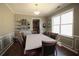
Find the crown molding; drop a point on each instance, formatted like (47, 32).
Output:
(10, 8)
(59, 8)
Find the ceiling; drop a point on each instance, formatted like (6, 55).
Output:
(29, 8)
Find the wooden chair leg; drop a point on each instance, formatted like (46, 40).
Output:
(42, 52)
(55, 51)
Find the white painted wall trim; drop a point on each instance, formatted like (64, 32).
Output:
(76, 44)
(5, 49)
(10, 8)
(76, 41)
(5, 34)
(40, 26)
(76, 36)
(69, 45)
(70, 49)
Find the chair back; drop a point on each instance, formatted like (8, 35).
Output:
(24, 39)
(19, 38)
(48, 48)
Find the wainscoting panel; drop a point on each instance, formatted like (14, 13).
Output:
(0, 44)
(67, 41)
(76, 42)
(71, 43)
(5, 41)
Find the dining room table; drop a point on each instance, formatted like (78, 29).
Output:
(34, 41)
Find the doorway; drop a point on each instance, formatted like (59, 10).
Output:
(36, 27)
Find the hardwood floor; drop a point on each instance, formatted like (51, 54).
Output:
(15, 51)
(61, 51)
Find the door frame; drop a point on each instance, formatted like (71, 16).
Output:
(39, 23)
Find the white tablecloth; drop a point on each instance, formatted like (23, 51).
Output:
(35, 41)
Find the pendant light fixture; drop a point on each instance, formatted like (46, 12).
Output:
(36, 12)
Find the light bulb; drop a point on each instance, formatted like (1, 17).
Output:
(36, 12)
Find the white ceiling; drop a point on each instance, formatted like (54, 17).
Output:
(28, 8)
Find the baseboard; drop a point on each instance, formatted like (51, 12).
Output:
(70, 49)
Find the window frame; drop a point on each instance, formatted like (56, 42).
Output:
(72, 9)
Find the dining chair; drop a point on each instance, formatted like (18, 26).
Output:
(48, 48)
(24, 39)
(19, 39)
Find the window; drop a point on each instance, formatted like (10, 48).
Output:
(56, 27)
(63, 23)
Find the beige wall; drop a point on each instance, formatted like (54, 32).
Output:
(30, 20)
(6, 20)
